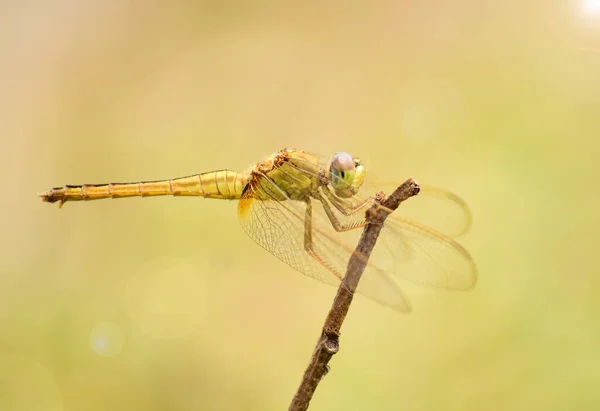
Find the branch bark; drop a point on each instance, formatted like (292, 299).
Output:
(328, 343)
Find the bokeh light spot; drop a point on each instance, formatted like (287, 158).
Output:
(107, 339)
(585, 28)
(591, 7)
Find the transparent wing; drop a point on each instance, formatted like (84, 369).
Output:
(281, 226)
(420, 254)
(414, 251)
(437, 208)
(434, 207)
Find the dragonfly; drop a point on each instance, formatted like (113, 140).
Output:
(309, 211)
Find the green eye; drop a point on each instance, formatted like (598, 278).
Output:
(347, 174)
(342, 177)
(342, 171)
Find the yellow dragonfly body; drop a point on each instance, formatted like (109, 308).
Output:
(308, 211)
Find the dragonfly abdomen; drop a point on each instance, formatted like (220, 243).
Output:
(222, 184)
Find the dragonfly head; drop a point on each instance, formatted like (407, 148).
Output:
(347, 174)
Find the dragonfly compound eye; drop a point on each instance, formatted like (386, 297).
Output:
(343, 172)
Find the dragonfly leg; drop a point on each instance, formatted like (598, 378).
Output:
(344, 206)
(308, 241)
(337, 224)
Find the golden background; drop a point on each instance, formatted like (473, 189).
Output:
(165, 304)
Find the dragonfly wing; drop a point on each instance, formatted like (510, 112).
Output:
(442, 210)
(437, 208)
(427, 256)
(279, 227)
(411, 250)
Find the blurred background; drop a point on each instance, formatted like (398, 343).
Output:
(166, 304)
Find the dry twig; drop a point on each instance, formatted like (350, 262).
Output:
(328, 343)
